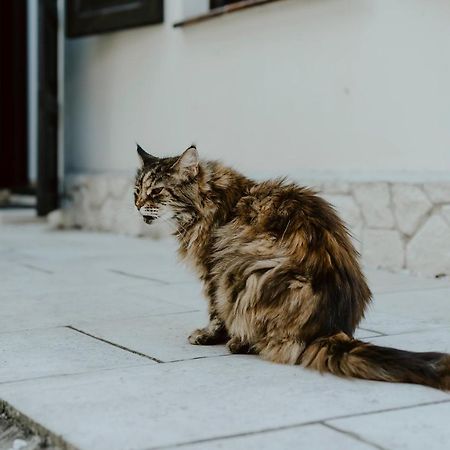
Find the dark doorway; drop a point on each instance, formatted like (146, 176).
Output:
(13, 94)
(47, 186)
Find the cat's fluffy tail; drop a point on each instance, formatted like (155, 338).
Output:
(345, 356)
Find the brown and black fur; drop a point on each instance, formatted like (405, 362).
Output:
(280, 273)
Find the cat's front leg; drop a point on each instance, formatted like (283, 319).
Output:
(214, 333)
(238, 346)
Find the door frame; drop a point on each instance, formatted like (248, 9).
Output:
(48, 107)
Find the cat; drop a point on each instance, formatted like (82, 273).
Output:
(280, 273)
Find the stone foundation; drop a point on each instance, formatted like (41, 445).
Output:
(396, 225)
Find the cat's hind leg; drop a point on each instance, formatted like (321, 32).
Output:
(214, 333)
(284, 351)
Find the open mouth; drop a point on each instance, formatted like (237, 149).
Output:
(148, 219)
(149, 214)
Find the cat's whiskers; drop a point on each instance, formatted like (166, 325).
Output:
(175, 227)
(284, 232)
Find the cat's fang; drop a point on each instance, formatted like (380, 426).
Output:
(147, 211)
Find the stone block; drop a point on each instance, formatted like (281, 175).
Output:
(445, 213)
(75, 181)
(61, 219)
(383, 248)
(375, 202)
(119, 186)
(347, 208)
(428, 252)
(349, 211)
(411, 205)
(98, 190)
(107, 215)
(438, 192)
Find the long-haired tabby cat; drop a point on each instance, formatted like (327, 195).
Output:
(280, 273)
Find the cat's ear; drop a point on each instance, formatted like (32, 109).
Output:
(146, 158)
(188, 161)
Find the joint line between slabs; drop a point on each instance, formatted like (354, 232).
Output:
(354, 436)
(297, 425)
(114, 344)
(140, 277)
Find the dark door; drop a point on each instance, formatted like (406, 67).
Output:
(47, 189)
(13, 94)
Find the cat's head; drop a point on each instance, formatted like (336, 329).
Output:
(166, 186)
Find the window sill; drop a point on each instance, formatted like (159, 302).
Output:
(216, 12)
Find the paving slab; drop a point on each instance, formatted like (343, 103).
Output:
(134, 294)
(187, 295)
(384, 323)
(382, 281)
(417, 428)
(37, 309)
(58, 351)
(51, 249)
(163, 337)
(164, 267)
(432, 305)
(169, 404)
(420, 341)
(310, 437)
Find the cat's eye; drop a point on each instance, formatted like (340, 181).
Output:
(157, 190)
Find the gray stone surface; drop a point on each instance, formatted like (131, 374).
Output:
(163, 336)
(390, 324)
(347, 208)
(430, 305)
(387, 282)
(311, 437)
(438, 192)
(445, 212)
(411, 206)
(420, 341)
(429, 250)
(383, 248)
(57, 351)
(106, 389)
(426, 426)
(375, 202)
(205, 398)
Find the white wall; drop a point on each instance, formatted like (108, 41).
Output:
(295, 84)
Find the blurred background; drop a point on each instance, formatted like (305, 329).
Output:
(349, 96)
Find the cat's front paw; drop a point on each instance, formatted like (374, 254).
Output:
(235, 345)
(200, 337)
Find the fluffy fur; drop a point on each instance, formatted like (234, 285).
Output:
(280, 273)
